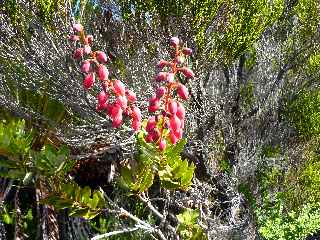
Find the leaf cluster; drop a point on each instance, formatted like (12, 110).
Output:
(188, 227)
(173, 172)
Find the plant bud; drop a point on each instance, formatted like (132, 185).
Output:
(78, 53)
(155, 134)
(178, 133)
(102, 97)
(151, 124)
(149, 138)
(154, 104)
(118, 88)
(103, 72)
(101, 57)
(87, 49)
(131, 96)
(174, 42)
(85, 67)
(175, 123)
(89, 39)
(173, 107)
(187, 72)
(180, 59)
(122, 102)
(77, 27)
(173, 138)
(109, 108)
(182, 92)
(136, 113)
(162, 63)
(101, 107)
(187, 51)
(162, 145)
(116, 111)
(160, 92)
(74, 38)
(161, 76)
(89, 81)
(136, 125)
(170, 77)
(181, 112)
(117, 121)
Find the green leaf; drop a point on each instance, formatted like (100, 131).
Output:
(90, 214)
(78, 212)
(85, 194)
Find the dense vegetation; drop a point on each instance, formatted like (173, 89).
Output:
(243, 162)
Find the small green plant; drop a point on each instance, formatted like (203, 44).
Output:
(270, 151)
(276, 224)
(188, 228)
(173, 172)
(18, 161)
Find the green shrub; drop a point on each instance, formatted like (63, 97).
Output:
(303, 112)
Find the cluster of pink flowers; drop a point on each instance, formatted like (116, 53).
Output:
(113, 98)
(167, 123)
(166, 103)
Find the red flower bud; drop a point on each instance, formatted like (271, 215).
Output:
(173, 107)
(173, 138)
(160, 92)
(89, 81)
(85, 67)
(101, 57)
(162, 145)
(136, 125)
(78, 53)
(181, 112)
(161, 76)
(151, 124)
(187, 51)
(122, 102)
(109, 108)
(153, 108)
(87, 49)
(136, 113)
(117, 121)
(102, 97)
(182, 92)
(118, 88)
(102, 106)
(74, 38)
(180, 59)
(116, 111)
(77, 27)
(149, 138)
(187, 72)
(178, 133)
(170, 77)
(175, 123)
(103, 72)
(89, 39)
(131, 96)
(162, 63)
(174, 42)
(154, 104)
(155, 134)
